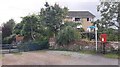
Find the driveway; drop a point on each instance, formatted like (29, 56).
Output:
(47, 57)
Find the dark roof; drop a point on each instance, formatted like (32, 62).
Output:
(81, 14)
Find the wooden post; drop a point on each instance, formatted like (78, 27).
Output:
(9, 48)
(104, 48)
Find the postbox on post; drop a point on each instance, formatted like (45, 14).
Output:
(103, 38)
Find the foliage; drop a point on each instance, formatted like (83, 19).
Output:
(52, 16)
(7, 29)
(34, 45)
(32, 29)
(112, 35)
(73, 25)
(99, 25)
(67, 35)
(17, 28)
(110, 16)
(88, 52)
(9, 40)
(110, 12)
(111, 55)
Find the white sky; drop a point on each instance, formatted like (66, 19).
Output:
(18, 8)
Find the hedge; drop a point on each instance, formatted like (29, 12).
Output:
(32, 46)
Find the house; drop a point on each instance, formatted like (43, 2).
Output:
(83, 17)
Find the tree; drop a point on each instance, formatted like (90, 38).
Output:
(28, 26)
(66, 35)
(32, 28)
(110, 13)
(100, 27)
(52, 16)
(73, 25)
(118, 18)
(7, 29)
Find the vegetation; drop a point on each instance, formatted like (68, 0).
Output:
(110, 20)
(111, 55)
(67, 35)
(38, 28)
(7, 29)
(33, 45)
(87, 52)
(110, 13)
(52, 16)
(31, 28)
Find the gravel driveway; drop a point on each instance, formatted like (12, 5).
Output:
(56, 58)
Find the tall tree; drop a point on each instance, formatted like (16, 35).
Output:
(28, 26)
(118, 18)
(52, 16)
(7, 29)
(31, 28)
(110, 14)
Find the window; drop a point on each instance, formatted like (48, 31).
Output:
(77, 19)
(88, 19)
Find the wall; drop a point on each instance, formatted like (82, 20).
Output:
(86, 23)
(83, 21)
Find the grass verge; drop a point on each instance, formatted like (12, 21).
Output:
(17, 53)
(111, 55)
(88, 52)
(0, 57)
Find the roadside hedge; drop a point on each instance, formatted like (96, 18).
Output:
(32, 46)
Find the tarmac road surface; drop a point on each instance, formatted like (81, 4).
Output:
(48, 57)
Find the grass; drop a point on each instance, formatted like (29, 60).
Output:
(111, 55)
(41, 51)
(17, 53)
(88, 52)
(0, 57)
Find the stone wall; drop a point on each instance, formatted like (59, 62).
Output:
(88, 45)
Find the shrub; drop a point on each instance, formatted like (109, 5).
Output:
(113, 35)
(33, 45)
(67, 35)
(9, 40)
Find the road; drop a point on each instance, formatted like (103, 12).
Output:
(56, 58)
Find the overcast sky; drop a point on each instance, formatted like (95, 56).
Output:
(18, 8)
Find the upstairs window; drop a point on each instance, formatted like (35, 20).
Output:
(88, 19)
(77, 19)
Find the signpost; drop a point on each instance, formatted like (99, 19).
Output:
(94, 27)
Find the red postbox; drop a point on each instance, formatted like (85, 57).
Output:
(103, 38)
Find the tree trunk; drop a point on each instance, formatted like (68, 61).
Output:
(32, 36)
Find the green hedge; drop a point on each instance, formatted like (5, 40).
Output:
(32, 46)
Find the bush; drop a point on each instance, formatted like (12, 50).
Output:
(9, 40)
(67, 35)
(113, 35)
(31, 46)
